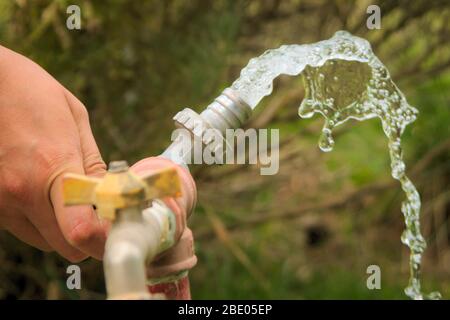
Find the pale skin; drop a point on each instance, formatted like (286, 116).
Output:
(45, 133)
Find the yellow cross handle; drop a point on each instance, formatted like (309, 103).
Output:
(119, 188)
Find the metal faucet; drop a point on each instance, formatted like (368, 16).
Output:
(138, 234)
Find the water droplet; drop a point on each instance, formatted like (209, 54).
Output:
(326, 142)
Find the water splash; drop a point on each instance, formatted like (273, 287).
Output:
(344, 80)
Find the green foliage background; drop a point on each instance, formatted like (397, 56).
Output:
(308, 232)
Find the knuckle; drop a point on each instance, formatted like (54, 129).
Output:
(94, 164)
(14, 185)
(80, 112)
(83, 114)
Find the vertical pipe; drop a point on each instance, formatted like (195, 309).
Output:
(130, 244)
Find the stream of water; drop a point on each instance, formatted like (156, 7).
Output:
(344, 80)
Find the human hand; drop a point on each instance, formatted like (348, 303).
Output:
(45, 133)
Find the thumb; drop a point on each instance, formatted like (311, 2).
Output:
(80, 224)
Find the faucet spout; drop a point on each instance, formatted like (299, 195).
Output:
(131, 243)
(136, 237)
